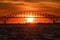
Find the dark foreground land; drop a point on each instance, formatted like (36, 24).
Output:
(30, 31)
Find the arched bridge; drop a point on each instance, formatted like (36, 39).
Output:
(54, 18)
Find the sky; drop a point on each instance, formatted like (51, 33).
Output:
(50, 7)
(32, 0)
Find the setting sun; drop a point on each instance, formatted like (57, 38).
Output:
(30, 20)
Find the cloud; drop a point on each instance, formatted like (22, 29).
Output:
(32, 0)
(6, 8)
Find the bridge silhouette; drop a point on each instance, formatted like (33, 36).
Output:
(54, 18)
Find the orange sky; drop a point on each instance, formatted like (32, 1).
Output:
(51, 8)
